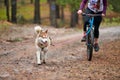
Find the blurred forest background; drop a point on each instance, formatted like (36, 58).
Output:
(57, 13)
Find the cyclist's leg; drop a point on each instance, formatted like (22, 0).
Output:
(84, 32)
(86, 22)
(97, 23)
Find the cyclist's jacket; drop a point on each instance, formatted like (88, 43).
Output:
(95, 5)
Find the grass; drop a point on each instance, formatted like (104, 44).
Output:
(43, 1)
(110, 24)
(27, 11)
(2, 14)
(3, 29)
(15, 40)
(111, 21)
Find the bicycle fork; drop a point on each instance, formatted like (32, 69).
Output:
(90, 37)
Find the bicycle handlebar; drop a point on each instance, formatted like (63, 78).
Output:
(91, 15)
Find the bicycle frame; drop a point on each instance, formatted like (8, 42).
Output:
(91, 21)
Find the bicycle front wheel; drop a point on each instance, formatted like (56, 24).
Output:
(90, 41)
(89, 52)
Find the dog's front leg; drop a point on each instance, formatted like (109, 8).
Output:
(38, 53)
(44, 55)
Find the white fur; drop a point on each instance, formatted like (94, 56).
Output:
(41, 49)
(37, 29)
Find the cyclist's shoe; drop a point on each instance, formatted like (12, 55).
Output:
(83, 39)
(96, 47)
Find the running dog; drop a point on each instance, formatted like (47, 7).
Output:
(42, 43)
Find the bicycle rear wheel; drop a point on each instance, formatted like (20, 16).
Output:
(90, 41)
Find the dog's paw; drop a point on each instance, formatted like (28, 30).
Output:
(39, 63)
(44, 62)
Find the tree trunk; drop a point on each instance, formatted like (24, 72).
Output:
(53, 18)
(57, 11)
(74, 18)
(48, 1)
(13, 11)
(6, 2)
(37, 12)
(31, 1)
(62, 13)
(77, 17)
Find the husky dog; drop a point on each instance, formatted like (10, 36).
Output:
(42, 42)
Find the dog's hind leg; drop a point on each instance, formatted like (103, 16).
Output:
(38, 53)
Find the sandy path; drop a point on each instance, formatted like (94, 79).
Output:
(66, 60)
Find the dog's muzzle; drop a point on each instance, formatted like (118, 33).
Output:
(43, 43)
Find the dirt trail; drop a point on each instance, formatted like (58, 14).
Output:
(65, 61)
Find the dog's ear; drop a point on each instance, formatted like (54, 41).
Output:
(46, 31)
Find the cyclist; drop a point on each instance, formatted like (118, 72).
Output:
(93, 7)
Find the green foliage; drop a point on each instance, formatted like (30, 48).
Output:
(22, 2)
(74, 4)
(117, 19)
(61, 2)
(106, 20)
(113, 21)
(20, 19)
(110, 8)
(114, 4)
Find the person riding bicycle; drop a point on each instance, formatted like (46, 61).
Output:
(93, 7)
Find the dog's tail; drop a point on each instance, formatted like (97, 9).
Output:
(37, 29)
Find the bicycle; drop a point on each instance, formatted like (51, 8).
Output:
(90, 35)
